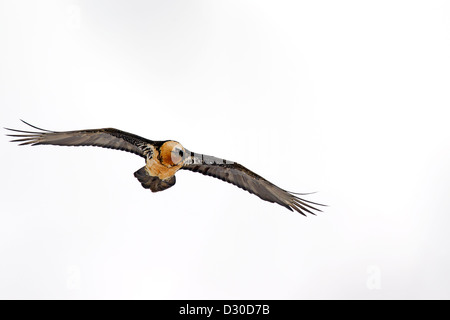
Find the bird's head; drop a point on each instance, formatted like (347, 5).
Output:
(172, 153)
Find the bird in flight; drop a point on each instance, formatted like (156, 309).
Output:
(164, 158)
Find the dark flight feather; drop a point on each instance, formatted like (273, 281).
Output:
(245, 179)
(107, 138)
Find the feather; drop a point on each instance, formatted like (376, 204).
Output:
(106, 138)
(245, 179)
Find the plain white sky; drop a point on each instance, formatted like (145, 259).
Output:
(347, 98)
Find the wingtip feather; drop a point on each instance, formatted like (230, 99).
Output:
(35, 126)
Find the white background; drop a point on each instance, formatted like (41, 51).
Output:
(347, 98)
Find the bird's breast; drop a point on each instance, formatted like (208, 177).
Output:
(155, 168)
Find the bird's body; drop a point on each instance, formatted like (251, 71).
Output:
(160, 164)
(164, 159)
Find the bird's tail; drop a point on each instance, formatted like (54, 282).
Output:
(153, 183)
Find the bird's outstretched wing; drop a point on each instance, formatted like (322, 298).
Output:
(243, 178)
(106, 138)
